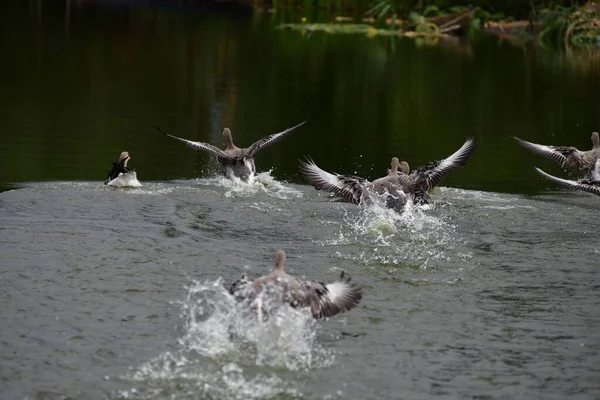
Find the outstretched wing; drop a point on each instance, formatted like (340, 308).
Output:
(114, 171)
(197, 145)
(327, 300)
(559, 154)
(585, 185)
(428, 176)
(269, 140)
(349, 188)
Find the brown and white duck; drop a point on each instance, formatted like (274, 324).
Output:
(236, 162)
(323, 299)
(567, 156)
(590, 185)
(120, 167)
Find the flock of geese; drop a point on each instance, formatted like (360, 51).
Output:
(395, 189)
(568, 156)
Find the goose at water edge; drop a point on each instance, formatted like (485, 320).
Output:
(591, 185)
(323, 299)
(567, 156)
(120, 167)
(235, 162)
(395, 186)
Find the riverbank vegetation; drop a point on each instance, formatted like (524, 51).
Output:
(554, 23)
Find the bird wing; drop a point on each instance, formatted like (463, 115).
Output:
(269, 140)
(586, 186)
(112, 171)
(327, 300)
(349, 188)
(116, 169)
(243, 289)
(428, 176)
(559, 154)
(198, 145)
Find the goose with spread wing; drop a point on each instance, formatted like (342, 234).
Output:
(567, 156)
(428, 176)
(120, 167)
(591, 185)
(396, 185)
(357, 190)
(235, 162)
(323, 299)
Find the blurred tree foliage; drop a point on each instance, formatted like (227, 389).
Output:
(514, 8)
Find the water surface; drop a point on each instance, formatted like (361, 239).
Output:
(121, 293)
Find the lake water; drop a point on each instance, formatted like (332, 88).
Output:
(492, 293)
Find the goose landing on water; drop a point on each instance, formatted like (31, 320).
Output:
(395, 186)
(323, 299)
(236, 162)
(591, 185)
(567, 156)
(357, 190)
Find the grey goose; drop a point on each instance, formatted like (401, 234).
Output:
(323, 299)
(357, 190)
(567, 156)
(396, 185)
(236, 162)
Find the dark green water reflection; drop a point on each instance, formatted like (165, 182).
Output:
(81, 84)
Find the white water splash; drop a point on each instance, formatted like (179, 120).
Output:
(217, 325)
(226, 349)
(414, 238)
(125, 180)
(260, 183)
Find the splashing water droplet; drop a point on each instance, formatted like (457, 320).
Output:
(222, 346)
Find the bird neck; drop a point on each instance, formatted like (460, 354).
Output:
(230, 145)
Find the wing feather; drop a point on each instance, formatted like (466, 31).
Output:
(338, 297)
(269, 140)
(431, 174)
(327, 300)
(562, 155)
(198, 145)
(349, 188)
(585, 185)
